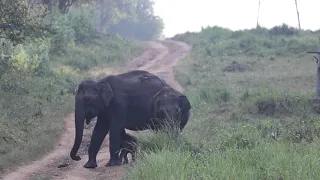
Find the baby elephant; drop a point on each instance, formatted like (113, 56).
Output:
(128, 145)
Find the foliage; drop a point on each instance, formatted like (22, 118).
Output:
(149, 29)
(144, 25)
(103, 50)
(83, 22)
(78, 26)
(30, 58)
(261, 42)
(64, 33)
(62, 5)
(20, 21)
(111, 11)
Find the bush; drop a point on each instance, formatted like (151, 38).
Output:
(83, 22)
(77, 26)
(64, 33)
(279, 103)
(283, 30)
(31, 58)
(279, 40)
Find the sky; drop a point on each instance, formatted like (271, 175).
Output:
(180, 16)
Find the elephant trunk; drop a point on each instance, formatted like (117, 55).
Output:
(79, 126)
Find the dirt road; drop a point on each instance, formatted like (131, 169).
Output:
(158, 59)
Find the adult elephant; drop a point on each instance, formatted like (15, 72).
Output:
(136, 100)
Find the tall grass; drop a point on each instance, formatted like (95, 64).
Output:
(257, 124)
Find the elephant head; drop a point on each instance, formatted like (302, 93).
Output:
(172, 106)
(185, 107)
(91, 98)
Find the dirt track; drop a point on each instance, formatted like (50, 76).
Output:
(159, 59)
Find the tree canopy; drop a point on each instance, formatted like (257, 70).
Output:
(22, 19)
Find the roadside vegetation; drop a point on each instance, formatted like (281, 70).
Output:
(252, 113)
(46, 48)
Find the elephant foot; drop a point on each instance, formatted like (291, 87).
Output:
(75, 158)
(126, 161)
(115, 162)
(90, 164)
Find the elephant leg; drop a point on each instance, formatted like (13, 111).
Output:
(133, 154)
(126, 158)
(99, 133)
(123, 150)
(115, 138)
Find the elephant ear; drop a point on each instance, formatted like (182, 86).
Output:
(105, 92)
(184, 103)
(155, 107)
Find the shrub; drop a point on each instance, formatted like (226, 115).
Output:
(83, 22)
(279, 40)
(277, 104)
(64, 32)
(31, 58)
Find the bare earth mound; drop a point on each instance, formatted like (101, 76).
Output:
(237, 67)
(58, 165)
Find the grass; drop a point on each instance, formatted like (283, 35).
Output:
(32, 108)
(279, 161)
(256, 124)
(112, 51)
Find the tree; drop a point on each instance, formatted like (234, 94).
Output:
(19, 20)
(112, 11)
(62, 5)
(144, 26)
(145, 9)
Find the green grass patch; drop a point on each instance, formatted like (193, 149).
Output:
(165, 157)
(267, 161)
(110, 50)
(30, 118)
(254, 124)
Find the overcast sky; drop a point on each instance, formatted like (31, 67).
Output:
(189, 15)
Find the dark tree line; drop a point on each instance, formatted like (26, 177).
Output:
(21, 19)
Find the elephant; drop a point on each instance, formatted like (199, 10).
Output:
(136, 100)
(128, 145)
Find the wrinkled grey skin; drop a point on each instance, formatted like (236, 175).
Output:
(128, 145)
(136, 100)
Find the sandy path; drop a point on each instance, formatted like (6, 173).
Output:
(158, 59)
